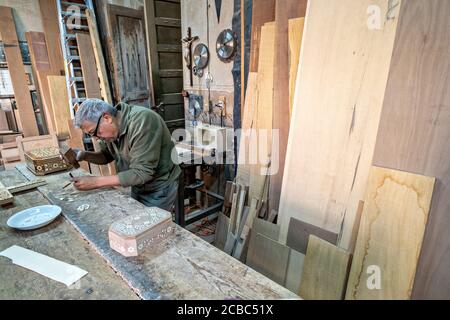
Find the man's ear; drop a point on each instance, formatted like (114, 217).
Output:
(108, 118)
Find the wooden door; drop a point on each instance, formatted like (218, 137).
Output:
(131, 79)
(163, 19)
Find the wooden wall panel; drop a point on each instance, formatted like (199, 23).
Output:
(262, 11)
(342, 78)
(390, 236)
(26, 117)
(41, 67)
(414, 132)
(284, 10)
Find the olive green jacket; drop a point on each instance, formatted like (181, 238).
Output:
(142, 150)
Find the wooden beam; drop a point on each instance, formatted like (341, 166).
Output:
(390, 236)
(26, 116)
(296, 27)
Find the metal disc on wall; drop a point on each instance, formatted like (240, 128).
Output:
(226, 45)
(201, 56)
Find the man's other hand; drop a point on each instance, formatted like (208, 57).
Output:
(86, 183)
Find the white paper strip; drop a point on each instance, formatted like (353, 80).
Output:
(44, 265)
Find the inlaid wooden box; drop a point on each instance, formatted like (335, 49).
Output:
(133, 234)
(45, 160)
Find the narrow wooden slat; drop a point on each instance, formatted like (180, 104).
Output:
(325, 271)
(296, 27)
(390, 236)
(294, 271)
(26, 117)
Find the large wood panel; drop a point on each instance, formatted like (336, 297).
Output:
(342, 77)
(414, 132)
(325, 271)
(26, 117)
(284, 10)
(390, 236)
(60, 102)
(49, 14)
(41, 69)
(262, 11)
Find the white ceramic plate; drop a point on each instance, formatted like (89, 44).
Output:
(34, 218)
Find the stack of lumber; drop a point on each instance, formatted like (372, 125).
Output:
(371, 89)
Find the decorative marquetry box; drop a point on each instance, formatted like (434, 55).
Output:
(45, 160)
(131, 235)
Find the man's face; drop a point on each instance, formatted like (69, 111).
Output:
(105, 128)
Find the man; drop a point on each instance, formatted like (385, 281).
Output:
(139, 141)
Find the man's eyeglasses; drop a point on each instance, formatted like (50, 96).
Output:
(94, 134)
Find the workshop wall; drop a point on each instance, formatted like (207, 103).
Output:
(201, 17)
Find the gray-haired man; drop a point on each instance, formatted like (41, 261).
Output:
(139, 141)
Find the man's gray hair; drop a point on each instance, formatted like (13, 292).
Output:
(91, 110)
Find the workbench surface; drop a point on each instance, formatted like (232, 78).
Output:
(181, 267)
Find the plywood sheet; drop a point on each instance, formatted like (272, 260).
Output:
(26, 117)
(60, 101)
(269, 257)
(299, 232)
(390, 236)
(414, 132)
(294, 271)
(342, 78)
(325, 271)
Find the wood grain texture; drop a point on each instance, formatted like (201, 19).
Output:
(49, 14)
(325, 271)
(181, 267)
(268, 257)
(299, 232)
(41, 69)
(296, 27)
(26, 117)
(390, 236)
(262, 11)
(294, 271)
(261, 139)
(414, 132)
(60, 104)
(338, 100)
(284, 10)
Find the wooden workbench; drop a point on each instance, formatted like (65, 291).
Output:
(60, 241)
(182, 267)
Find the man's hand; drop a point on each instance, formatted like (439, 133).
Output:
(86, 183)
